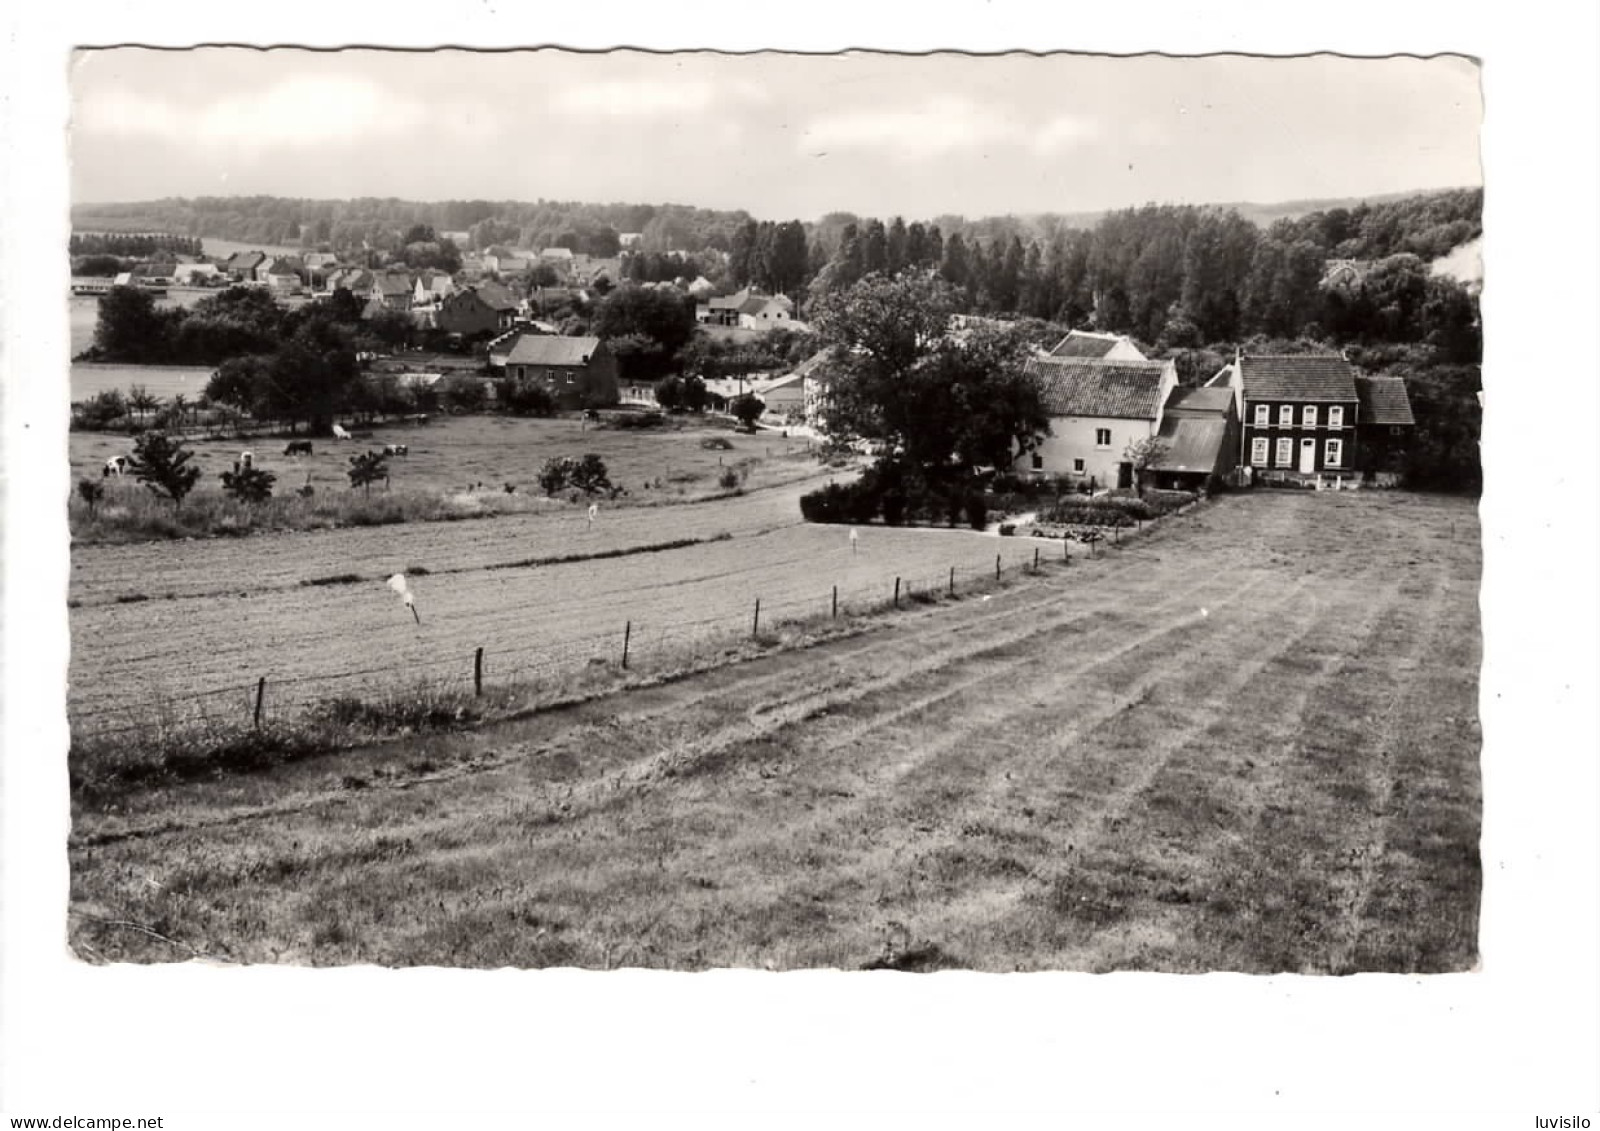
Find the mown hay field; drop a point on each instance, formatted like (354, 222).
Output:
(1247, 741)
(157, 626)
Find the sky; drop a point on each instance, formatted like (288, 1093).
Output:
(779, 135)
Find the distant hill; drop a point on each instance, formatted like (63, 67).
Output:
(262, 221)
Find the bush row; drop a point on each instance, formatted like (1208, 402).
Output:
(897, 501)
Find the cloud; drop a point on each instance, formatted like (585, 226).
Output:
(636, 99)
(940, 126)
(295, 111)
(1065, 132)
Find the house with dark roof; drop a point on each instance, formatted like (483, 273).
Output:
(242, 265)
(1299, 414)
(1199, 436)
(1384, 427)
(1097, 347)
(1097, 408)
(578, 372)
(483, 308)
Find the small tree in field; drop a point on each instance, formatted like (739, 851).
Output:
(747, 410)
(367, 469)
(589, 475)
(1143, 455)
(142, 401)
(91, 491)
(163, 467)
(248, 484)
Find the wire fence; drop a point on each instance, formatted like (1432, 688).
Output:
(632, 644)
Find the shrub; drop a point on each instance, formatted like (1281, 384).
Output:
(728, 480)
(587, 475)
(248, 484)
(840, 502)
(747, 410)
(163, 467)
(525, 398)
(367, 469)
(631, 420)
(91, 491)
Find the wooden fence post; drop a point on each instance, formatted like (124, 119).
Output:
(755, 623)
(627, 635)
(477, 671)
(997, 567)
(952, 581)
(1066, 549)
(261, 691)
(897, 592)
(1036, 559)
(835, 602)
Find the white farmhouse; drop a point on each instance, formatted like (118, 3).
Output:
(1097, 408)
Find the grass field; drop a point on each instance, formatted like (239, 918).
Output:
(1247, 741)
(445, 459)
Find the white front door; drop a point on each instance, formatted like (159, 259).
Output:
(1308, 456)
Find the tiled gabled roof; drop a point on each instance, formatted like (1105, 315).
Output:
(496, 296)
(1081, 343)
(1298, 377)
(1383, 401)
(1085, 387)
(545, 349)
(1209, 401)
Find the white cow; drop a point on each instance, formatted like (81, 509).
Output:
(339, 433)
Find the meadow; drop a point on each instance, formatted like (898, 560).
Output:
(456, 467)
(1246, 740)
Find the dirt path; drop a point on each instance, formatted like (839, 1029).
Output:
(1222, 748)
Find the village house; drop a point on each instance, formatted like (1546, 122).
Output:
(393, 290)
(1299, 414)
(1199, 437)
(477, 309)
(282, 275)
(748, 309)
(630, 239)
(431, 287)
(357, 280)
(578, 372)
(1097, 347)
(1097, 409)
(241, 266)
(505, 263)
(1384, 426)
(196, 274)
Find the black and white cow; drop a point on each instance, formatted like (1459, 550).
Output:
(396, 450)
(116, 465)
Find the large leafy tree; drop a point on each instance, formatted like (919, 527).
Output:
(938, 405)
(646, 327)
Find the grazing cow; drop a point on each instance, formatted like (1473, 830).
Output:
(116, 465)
(298, 448)
(339, 433)
(396, 450)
